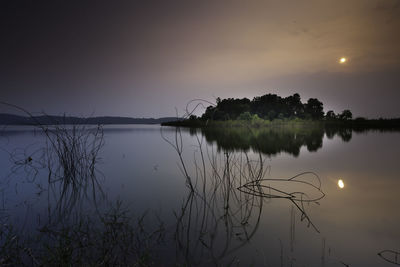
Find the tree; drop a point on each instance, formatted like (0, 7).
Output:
(346, 115)
(246, 116)
(294, 107)
(315, 108)
(330, 115)
(233, 107)
(209, 113)
(268, 106)
(262, 105)
(271, 115)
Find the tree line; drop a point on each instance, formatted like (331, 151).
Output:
(270, 107)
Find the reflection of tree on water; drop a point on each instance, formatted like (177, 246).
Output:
(224, 203)
(275, 139)
(269, 141)
(344, 133)
(215, 219)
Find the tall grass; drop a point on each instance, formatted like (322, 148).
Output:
(69, 235)
(114, 238)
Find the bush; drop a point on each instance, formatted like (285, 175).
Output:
(246, 116)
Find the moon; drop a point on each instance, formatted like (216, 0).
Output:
(342, 60)
(340, 183)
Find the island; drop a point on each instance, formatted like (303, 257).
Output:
(271, 109)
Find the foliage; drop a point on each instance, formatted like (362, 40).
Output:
(314, 108)
(268, 106)
(245, 116)
(346, 115)
(330, 115)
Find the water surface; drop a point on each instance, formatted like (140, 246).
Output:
(217, 223)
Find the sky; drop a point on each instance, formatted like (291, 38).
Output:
(150, 58)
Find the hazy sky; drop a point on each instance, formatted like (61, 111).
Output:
(144, 58)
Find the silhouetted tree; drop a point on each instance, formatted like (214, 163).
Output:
(209, 113)
(271, 115)
(294, 106)
(314, 108)
(330, 115)
(346, 115)
(268, 106)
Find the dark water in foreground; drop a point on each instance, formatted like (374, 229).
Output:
(215, 197)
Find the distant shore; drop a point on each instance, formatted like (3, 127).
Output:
(11, 119)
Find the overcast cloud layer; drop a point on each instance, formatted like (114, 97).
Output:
(145, 58)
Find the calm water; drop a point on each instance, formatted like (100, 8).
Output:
(268, 223)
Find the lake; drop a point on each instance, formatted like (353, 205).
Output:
(163, 196)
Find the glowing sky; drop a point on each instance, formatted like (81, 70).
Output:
(145, 58)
